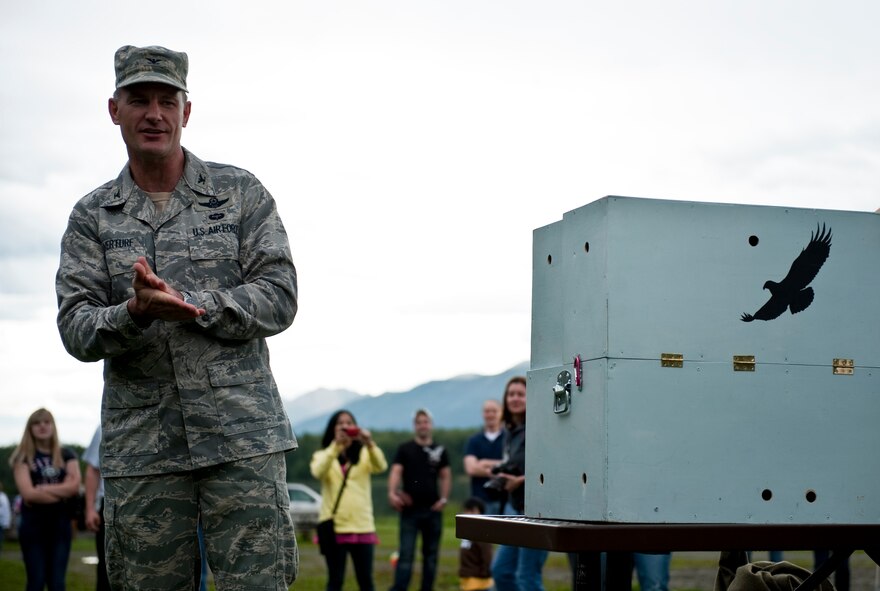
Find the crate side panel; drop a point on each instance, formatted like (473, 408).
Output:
(565, 453)
(584, 284)
(547, 296)
(703, 443)
(680, 276)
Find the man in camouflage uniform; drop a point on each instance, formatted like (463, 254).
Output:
(193, 423)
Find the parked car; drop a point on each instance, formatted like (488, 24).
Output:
(305, 504)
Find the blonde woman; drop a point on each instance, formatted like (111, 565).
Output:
(46, 475)
(344, 466)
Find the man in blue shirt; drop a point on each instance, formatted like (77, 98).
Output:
(482, 452)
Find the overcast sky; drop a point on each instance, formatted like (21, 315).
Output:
(413, 146)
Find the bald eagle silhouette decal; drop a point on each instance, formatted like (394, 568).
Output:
(792, 292)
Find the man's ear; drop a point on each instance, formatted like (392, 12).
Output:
(113, 109)
(187, 107)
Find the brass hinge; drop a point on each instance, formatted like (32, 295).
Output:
(743, 363)
(843, 367)
(671, 359)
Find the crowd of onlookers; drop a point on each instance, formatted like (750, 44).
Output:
(48, 480)
(419, 484)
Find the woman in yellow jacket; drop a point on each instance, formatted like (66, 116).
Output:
(349, 456)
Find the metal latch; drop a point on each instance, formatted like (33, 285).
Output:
(843, 367)
(671, 360)
(743, 363)
(562, 393)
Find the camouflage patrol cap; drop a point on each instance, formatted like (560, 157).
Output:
(151, 64)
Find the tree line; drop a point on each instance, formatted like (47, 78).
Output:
(453, 439)
(298, 462)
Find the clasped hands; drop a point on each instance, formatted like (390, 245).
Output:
(156, 300)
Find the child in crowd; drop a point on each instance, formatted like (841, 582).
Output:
(475, 558)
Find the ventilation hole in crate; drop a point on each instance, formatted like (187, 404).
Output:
(810, 496)
(753, 240)
(586, 247)
(549, 259)
(584, 477)
(541, 478)
(766, 494)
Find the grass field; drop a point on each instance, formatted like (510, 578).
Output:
(691, 571)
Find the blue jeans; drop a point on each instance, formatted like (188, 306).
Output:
(492, 507)
(45, 548)
(203, 570)
(653, 571)
(518, 569)
(412, 523)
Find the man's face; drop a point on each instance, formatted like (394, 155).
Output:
(423, 426)
(491, 415)
(151, 117)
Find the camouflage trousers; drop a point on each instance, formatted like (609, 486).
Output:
(244, 507)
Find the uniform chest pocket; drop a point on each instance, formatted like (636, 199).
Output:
(119, 267)
(217, 246)
(214, 258)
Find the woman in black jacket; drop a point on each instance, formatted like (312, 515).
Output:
(516, 568)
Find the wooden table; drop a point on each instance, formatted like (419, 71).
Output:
(589, 539)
